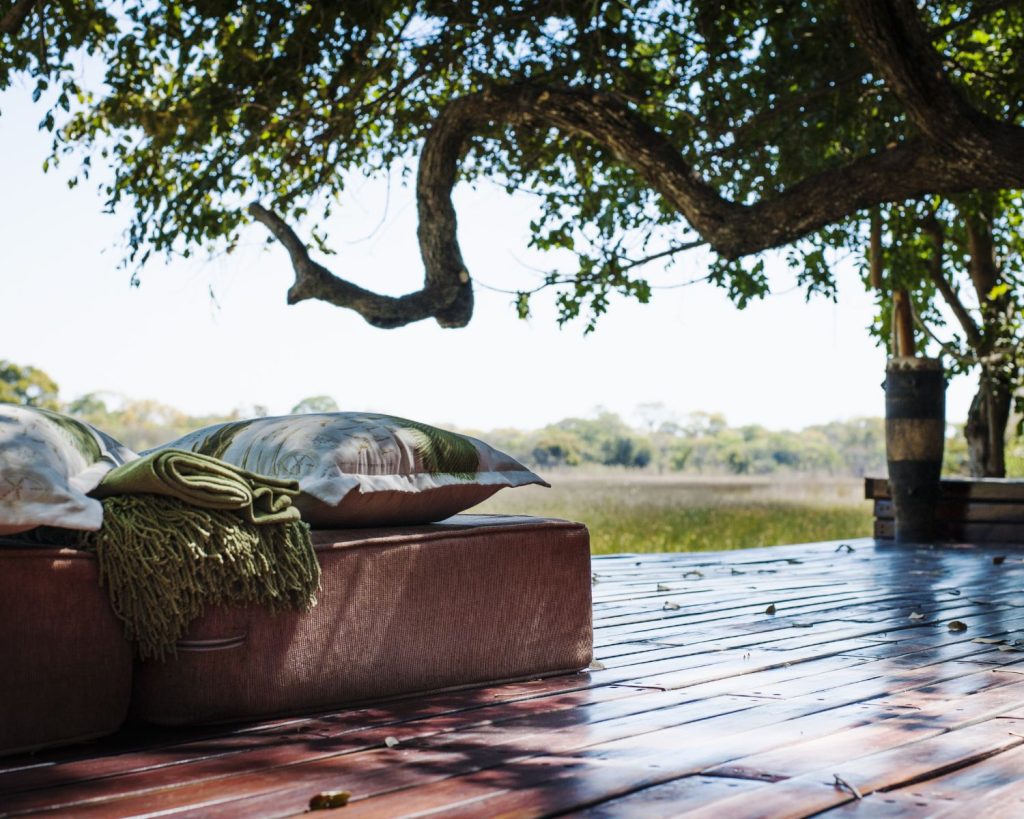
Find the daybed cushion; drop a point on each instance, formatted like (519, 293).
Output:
(65, 668)
(476, 598)
(48, 462)
(362, 469)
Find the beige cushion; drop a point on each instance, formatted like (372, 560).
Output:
(363, 469)
(48, 464)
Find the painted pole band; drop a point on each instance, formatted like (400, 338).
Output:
(915, 427)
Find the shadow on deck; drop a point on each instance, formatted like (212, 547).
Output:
(861, 678)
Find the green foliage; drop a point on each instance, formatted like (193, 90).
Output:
(45, 47)
(701, 444)
(315, 403)
(27, 385)
(137, 424)
(202, 108)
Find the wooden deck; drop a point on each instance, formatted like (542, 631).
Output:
(856, 697)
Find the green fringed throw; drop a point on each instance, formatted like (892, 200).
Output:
(162, 561)
(206, 482)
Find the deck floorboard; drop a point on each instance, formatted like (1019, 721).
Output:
(790, 681)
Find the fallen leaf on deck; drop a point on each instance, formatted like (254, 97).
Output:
(993, 641)
(1008, 648)
(670, 606)
(391, 742)
(663, 587)
(916, 615)
(844, 547)
(770, 609)
(596, 666)
(793, 560)
(957, 625)
(999, 560)
(325, 800)
(736, 571)
(693, 573)
(954, 592)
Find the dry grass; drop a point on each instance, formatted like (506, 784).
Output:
(640, 513)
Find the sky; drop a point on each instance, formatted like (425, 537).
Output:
(209, 336)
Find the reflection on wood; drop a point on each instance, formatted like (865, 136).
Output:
(709, 706)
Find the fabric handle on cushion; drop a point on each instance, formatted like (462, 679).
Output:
(205, 482)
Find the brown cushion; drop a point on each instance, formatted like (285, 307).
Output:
(405, 609)
(65, 668)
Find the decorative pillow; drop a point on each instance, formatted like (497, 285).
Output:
(363, 469)
(48, 464)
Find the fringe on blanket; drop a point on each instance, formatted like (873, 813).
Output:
(162, 561)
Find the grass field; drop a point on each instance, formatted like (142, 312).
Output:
(629, 513)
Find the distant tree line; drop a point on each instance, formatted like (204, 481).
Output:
(699, 444)
(702, 443)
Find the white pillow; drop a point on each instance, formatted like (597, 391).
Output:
(48, 464)
(363, 469)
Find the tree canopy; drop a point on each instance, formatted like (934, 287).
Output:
(889, 129)
(645, 128)
(27, 385)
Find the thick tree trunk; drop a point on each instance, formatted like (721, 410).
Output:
(986, 430)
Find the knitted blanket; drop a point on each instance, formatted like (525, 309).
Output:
(182, 531)
(206, 482)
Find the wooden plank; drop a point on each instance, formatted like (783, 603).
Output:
(983, 788)
(334, 730)
(386, 769)
(914, 718)
(982, 489)
(624, 725)
(544, 785)
(670, 799)
(704, 739)
(885, 805)
(964, 532)
(818, 791)
(992, 787)
(961, 510)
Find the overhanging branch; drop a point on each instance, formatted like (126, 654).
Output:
(971, 152)
(450, 306)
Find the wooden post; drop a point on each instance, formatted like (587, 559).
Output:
(903, 325)
(915, 412)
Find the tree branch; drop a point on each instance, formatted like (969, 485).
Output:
(960, 150)
(982, 265)
(16, 16)
(314, 281)
(933, 229)
(875, 250)
(896, 42)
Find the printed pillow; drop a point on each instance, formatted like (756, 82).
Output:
(363, 469)
(48, 464)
